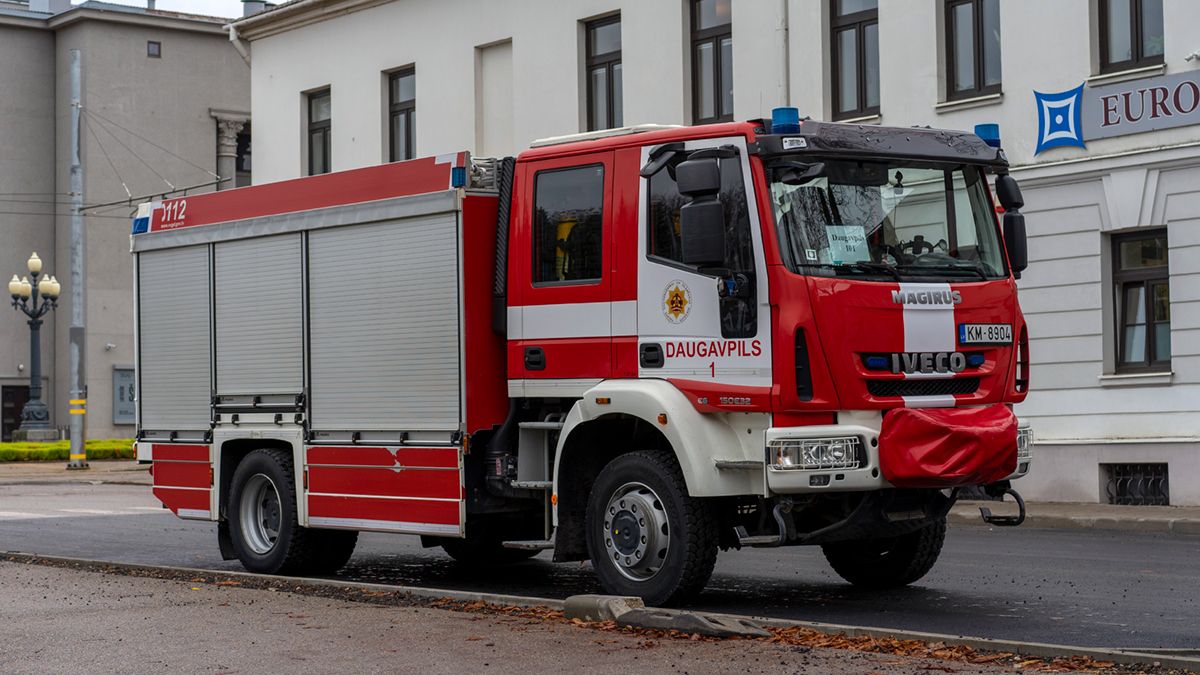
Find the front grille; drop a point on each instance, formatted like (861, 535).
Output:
(1138, 484)
(933, 387)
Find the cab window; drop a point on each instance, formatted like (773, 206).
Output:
(738, 314)
(568, 225)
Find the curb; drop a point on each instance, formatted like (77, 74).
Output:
(1159, 525)
(1166, 658)
(419, 591)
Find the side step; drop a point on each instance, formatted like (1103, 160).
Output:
(530, 544)
(532, 484)
(760, 540)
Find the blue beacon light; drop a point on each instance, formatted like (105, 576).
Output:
(785, 121)
(990, 133)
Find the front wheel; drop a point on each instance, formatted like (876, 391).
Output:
(888, 562)
(647, 537)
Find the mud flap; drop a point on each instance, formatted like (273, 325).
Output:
(225, 541)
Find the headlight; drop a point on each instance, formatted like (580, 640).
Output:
(1024, 444)
(814, 454)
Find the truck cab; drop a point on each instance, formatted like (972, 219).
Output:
(783, 316)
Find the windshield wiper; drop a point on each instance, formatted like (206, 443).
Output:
(948, 268)
(877, 268)
(872, 267)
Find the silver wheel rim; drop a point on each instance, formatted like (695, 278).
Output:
(637, 535)
(260, 514)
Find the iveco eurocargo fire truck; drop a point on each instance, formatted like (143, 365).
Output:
(637, 347)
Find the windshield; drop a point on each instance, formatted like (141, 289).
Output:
(902, 219)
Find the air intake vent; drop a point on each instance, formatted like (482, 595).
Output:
(938, 387)
(804, 389)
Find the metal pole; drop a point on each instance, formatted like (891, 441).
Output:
(78, 388)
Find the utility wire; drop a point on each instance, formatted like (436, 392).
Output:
(110, 162)
(31, 213)
(135, 156)
(146, 140)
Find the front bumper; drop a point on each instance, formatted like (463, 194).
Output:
(866, 475)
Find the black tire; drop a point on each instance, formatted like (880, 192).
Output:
(890, 562)
(263, 523)
(669, 546)
(333, 550)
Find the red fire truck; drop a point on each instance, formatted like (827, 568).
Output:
(637, 347)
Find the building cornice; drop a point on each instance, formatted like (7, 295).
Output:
(298, 14)
(184, 23)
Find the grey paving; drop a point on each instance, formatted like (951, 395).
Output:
(70, 621)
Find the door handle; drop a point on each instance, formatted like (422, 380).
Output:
(535, 358)
(650, 355)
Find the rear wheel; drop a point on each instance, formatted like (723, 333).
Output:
(888, 562)
(263, 522)
(647, 537)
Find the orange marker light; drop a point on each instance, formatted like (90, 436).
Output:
(662, 419)
(603, 401)
(554, 499)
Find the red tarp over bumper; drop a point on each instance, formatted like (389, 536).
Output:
(948, 447)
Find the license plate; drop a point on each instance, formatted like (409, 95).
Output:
(985, 333)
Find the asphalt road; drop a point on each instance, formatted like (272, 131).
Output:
(1075, 587)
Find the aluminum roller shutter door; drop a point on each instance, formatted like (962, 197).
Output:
(175, 364)
(383, 302)
(260, 324)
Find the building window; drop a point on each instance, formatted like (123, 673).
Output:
(154, 50)
(972, 48)
(604, 74)
(568, 225)
(712, 61)
(1131, 34)
(855, 58)
(242, 161)
(1143, 301)
(318, 133)
(402, 109)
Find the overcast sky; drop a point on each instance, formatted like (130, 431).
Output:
(229, 9)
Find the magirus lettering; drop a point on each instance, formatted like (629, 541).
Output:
(926, 297)
(929, 362)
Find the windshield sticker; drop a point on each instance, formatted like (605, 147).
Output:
(811, 254)
(677, 302)
(847, 244)
(795, 144)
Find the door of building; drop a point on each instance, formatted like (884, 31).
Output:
(12, 402)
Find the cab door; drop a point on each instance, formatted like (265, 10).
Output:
(562, 276)
(705, 330)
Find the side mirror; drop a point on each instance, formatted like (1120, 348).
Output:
(1007, 193)
(702, 220)
(1015, 243)
(698, 177)
(702, 232)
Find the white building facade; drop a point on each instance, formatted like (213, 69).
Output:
(1098, 103)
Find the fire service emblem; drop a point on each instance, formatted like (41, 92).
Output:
(677, 302)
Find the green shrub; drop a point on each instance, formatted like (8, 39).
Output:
(23, 452)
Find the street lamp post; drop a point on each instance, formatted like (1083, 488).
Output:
(25, 298)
